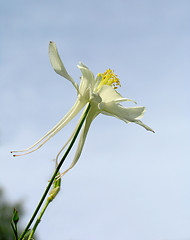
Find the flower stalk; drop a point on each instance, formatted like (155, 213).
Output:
(53, 193)
(38, 219)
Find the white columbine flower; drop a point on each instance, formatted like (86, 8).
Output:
(100, 93)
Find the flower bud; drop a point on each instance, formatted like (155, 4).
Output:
(56, 188)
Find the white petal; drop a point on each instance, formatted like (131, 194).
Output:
(131, 114)
(121, 112)
(124, 100)
(58, 65)
(109, 94)
(87, 81)
(144, 125)
(82, 65)
(87, 74)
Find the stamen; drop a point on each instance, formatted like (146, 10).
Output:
(109, 78)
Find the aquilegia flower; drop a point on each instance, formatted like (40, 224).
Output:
(100, 93)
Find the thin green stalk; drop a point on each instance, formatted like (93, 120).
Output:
(38, 219)
(54, 175)
(53, 193)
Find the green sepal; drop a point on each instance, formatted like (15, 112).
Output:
(15, 218)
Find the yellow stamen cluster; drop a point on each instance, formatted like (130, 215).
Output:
(109, 78)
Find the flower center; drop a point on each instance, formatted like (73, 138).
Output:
(108, 78)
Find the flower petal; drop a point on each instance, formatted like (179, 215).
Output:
(121, 112)
(143, 125)
(131, 114)
(87, 82)
(58, 65)
(82, 65)
(109, 94)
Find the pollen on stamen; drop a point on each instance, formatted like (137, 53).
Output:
(109, 78)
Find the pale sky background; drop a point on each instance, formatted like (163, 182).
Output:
(129, 183)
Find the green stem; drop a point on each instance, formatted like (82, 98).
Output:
(16, 232)
(55, 173)
(38, 219)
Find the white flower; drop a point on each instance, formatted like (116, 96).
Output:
(100, 93)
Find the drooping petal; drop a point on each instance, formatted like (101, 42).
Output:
(58, 65)
(143, 125)
(131, 114)
(64, 121)
(87, 81)
(109, 94)
(91, 115)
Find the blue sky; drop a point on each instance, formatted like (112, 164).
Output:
(128, 183)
